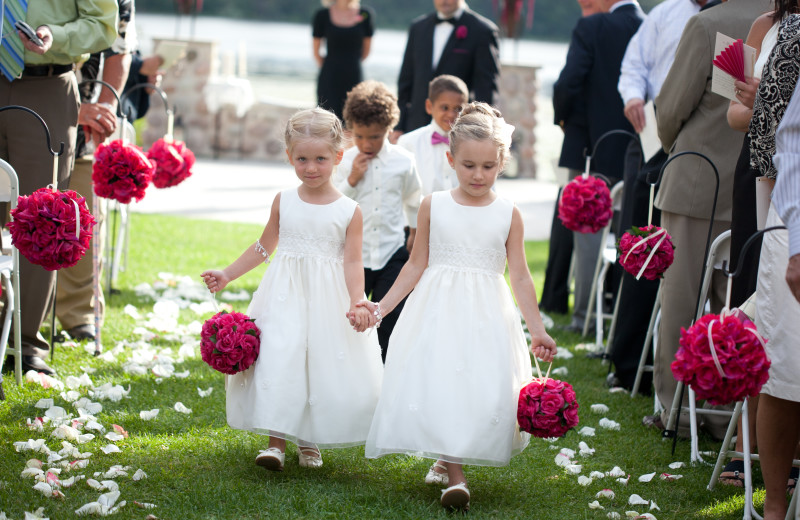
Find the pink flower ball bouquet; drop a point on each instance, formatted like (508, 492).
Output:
(646, 251)
(547, 408)
(173, 162)
(722, 358)
(229, 342)
(121, 171)
(585, 204)
(51, 228)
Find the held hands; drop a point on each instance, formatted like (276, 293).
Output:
(543, 346)
(746, 91)
(634, 112)
(215, 280)
(360, 318)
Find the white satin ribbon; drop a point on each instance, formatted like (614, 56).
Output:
(725, 313)
(642, 241)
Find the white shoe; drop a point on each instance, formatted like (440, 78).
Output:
(435, 477)
(271, 459)
(309, 456)
(456, 497)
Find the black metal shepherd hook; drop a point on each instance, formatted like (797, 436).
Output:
(753, 238)
(109, 87)
(170, 113)
(631, 136)
(60, 151)
(668, 432)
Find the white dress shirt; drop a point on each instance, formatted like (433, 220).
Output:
(390, 186)
(432, 165)
(651, 51)
(786, 194)
(441, 33)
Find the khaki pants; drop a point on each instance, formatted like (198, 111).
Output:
(74, 291)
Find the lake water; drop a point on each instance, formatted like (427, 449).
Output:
(280, 64)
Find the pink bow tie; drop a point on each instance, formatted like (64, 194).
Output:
(437, 138)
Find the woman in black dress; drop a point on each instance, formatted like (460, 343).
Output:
(347, 28)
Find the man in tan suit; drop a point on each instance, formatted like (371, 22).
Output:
(691, 117)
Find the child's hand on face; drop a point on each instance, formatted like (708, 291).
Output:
(359, 168)
(543, 347)
(215, 280)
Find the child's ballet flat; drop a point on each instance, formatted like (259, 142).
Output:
(309, 457)
(434, 477)
(456, 497)
(271, 459)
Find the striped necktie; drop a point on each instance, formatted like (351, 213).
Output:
(12, 53)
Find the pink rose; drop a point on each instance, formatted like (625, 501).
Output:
(552, 402)
(571, 416)
(461, 32)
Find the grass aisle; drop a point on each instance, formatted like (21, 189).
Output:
(197, 467)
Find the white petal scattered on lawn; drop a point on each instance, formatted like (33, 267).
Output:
(78, 464)
(624, 480)
(605, 493)
(647, 478)
(586, 431)
(203, 308)
(599, 408)
(88, 406)
(145, 334)
(114, 436)
(66, 432)
(182, 375)
(48, 490)
(44, 404)
(677, 465)
(585, 450)
(34, 424)
(110, 448)
(187, 350)
(654, 506)
(597, 474)
(560, 371)
(111, 392)
(163, 369)
(573, 469)
(205, 393)
(69, 482)
(616, 471)
(230, 296)
(561, 460)
(36, 515)
(34, 463)
(94, 425)
(614, 515)
(608, 424)
(31, 445)
(595, 505)
(74, 383)
(632, 514)
(84, 438)
(120, 430)
(670, 478)
(616, 390)
(647, 516)
(636, 500)
(71, 396)
(55, 412)
(180, 407)
(31, 472)
(103, 507)
(139, 475)
(144, 505)
(147, 415)
(584, 480)
(563, 354)
(568, 452)
(40, 378)
(132, 311)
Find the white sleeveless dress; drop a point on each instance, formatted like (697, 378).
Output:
(316, 380)
(458, 356)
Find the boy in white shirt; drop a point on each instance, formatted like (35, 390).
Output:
(383, 179)
(429, 144)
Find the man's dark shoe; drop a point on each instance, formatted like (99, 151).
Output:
(653, 421)
(34, 363)
(612, 380)
(82, 332)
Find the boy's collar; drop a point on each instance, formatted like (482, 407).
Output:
(382, 154)
(437, 128)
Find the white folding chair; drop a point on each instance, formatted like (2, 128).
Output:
(9, 271)
(605, 259)
(649, 339)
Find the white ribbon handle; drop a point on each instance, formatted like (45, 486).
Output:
(725, 313)
(77, 219)
(642, 241)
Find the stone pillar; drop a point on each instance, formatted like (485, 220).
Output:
(517, 101)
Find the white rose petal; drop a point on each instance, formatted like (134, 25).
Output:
(568, 452)
(584, 480)
(36, 515)
(55, 412)
(96, 426)
(605, 493)
(563, 354)
(31, 472)
(71, 396)
(132, 311)
(114, 436)
(636, 500)
(608, 424)
(110, 448)
(597, 474)
(180, 407)
(33, 463)
(595, 505)
(670, 478)
(585, 450)
(573, 469)
(139, 475)
(144, 505)
(182, 375)
(616, 390)
(632, 514)
(44, 404)
(613, 515)
(205, 393)
(560, 371)
(586, 431)
(654, 506)
(677, 465)
(599, 408)
(616, 472)
(562, 460)
(647, 516)
(624, 480)
(147, 415)
(647, 478)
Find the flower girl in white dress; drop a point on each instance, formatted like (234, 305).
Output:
(316, 380)
(458, 356)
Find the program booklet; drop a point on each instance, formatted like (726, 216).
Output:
(733, 60)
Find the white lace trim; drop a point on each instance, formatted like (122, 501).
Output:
(468, 258)
(294, 244)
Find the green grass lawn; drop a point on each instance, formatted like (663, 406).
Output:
(197, 467)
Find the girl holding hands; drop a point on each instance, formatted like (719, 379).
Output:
(316, 381)
(458, 355)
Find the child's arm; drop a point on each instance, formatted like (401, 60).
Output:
(216, 280)
(542, 345)
(354, 269)
(412, 194)
(412, 271)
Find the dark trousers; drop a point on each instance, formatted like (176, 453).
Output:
(377, 283)
(743, 225)
(555, 292)
(637, 297)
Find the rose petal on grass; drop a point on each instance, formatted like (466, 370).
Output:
(563, 354)
(181, 375)
(632, 514)
(647, 478)
(608, 424)
(36, 515)
(114, 436)
(110, 448)
(605, 493)
(586, 431)
(205, 393)
(147, 415)
(636, 500)
(44, 403)
(144, 505)
(654, 506)
(584, 450)
(616, 471)
(595, 505)
(560, 371)
(180, 407)
(120, 430)
(96, 426)
(646, 516)
(132, 311)
(599, 408)
(597, 474)
(670, 478)
(139, 475)
(614, 515)
(573, 469)
(31, 472)
(562, 460)
(624, 480)
(584, 480)
(33, 463)
(677, 465)
(616, 390)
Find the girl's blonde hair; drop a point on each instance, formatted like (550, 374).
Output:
(480, 121)
(314, 123)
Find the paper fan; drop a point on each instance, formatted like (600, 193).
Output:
(731, 60)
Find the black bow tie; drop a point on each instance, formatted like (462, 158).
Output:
(452, 20)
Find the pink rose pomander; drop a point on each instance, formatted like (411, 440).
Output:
(585, 205)
(742, 359)
(229, 342)
(637, 244)
(173, 162)
(43, 228)
(547, 408)
(121, 171)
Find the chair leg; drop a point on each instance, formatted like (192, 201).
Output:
(651, 327)
(613, 327)
(794, 511)
(598, 314)
(598, 266)
(749, 508)
(724, 451)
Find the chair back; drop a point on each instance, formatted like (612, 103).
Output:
(9, 184)
(718, 253)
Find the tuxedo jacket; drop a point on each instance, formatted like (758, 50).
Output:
(590, 77)
(692, 118)
(471, 54)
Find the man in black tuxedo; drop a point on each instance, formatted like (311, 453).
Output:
(589, 78)
(453, 40)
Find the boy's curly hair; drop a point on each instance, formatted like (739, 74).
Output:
(370, 102)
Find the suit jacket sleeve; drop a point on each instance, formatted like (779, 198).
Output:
(686, 81)
(486, 67)
(570, 85)
(405, 81)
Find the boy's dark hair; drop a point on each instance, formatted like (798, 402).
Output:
(371, 102)
(447, 83)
